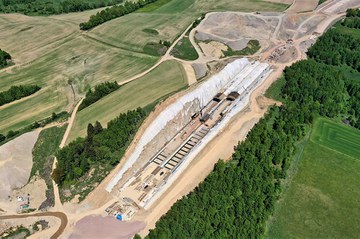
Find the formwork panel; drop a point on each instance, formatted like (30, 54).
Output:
(184, 150)
(169, 167)
(188, 147)
(175, 160)
(171, 163)
(179, 156)
(161, 156)
(191, 143)
(181, 153)
(195, 136)
(195, 140)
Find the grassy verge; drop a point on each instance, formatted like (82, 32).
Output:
(321, 201)
(252, 47)
(321, 1)
(274, 91)
(85, 184)
(154, 49)
(153, 6)
(43, 158)
(185, 50)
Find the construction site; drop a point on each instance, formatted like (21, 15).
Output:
(179, 143)
(217, 100)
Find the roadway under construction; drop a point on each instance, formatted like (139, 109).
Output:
(158, 173)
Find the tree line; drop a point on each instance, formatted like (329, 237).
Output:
(352, 22)
(99, 92)
(4, 58)
(99, 147)
(114, 12)
(352, 19)
(336, 48)
(343, 50)
(51, 7)
(237, 198)
(353, 12)
(17, 92)
(37, 124)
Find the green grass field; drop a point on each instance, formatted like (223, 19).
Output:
(185, 50)
(322, 200)
(169, 77)
(274, 91)
(84, 62)
(341, 138)
(47, 144)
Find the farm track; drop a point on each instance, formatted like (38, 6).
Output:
(166, 57)
(58, 205)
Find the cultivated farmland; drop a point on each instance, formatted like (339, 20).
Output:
(169, 77)
(341, 138)
(82, 62)
(322, 198)
(52, 52)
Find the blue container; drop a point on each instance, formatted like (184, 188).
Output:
(119, 217)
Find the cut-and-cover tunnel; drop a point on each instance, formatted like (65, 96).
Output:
(238, 76)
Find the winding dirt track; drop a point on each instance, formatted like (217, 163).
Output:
(62, 216)
(58, 205)
(166, 57)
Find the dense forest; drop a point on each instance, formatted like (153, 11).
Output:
(353, 19)
(335, 48)
(50, 7)
(236, 199)
(99, 147)
(4, 58)
(99, 92)
(17, 92)
(353, 13)
(114, 12)
(342, 50)
(352, 22)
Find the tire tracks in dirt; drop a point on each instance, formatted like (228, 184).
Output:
(60, 215)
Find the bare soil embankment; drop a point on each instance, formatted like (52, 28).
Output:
(16, 163)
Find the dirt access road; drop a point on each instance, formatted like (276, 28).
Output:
(166, 57)
(60, 215)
